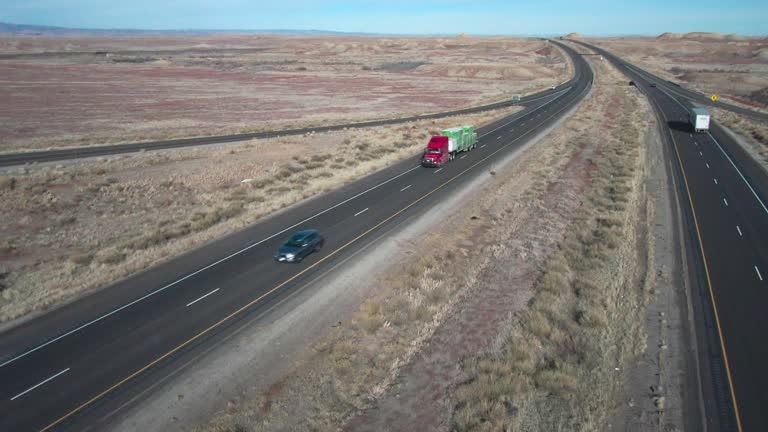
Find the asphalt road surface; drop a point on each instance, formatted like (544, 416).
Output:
(13, 159)
(70, 368)
(724, 196)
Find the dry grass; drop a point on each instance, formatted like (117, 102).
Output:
(755, 133)
(168, 202)
(582, 321)
(359, 361)
(238, 85)
(736, 71)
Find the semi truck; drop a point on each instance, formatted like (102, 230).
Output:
(699, 119)
(443, 148)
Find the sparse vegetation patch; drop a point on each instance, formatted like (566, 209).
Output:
(565, 351)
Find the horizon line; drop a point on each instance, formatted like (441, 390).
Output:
(354, 33)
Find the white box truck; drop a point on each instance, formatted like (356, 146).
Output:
(699, 119)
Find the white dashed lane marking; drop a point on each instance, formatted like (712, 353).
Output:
(43, 382)
(200, 298)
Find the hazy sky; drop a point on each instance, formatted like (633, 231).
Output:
(530, 17)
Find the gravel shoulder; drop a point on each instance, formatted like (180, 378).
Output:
(362, 358)
(398, 352)
(231, 381)
(661, 391)
(61, 243)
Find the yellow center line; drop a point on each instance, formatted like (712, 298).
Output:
(287, 281)
(709, 285)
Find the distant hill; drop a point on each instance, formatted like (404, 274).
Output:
(573, 36)
(25, 29)
(701, 36)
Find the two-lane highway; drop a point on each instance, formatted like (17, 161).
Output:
(724, 194)
(68, 369)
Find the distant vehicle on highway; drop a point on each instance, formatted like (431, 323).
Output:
(699, 119)
(299, 245)
(653, 84)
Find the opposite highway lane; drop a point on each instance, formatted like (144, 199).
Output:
(723, 192)
(68, 369)
(13, 159)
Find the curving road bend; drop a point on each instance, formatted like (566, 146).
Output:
(723, 194)
(70, 368)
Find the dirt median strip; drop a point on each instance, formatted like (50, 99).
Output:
(565, 352)
(549, 233)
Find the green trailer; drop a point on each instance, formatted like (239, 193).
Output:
(463, 138)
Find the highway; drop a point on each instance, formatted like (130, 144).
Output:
(39, 156)
(66, 370)
(723, 195)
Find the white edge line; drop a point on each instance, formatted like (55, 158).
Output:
(528, 113)
(38, 385)
(725, 201)
(405, 188)
(361, 211)
(438, 170)
(739, 230)
(724, 154)
(758, 273)
(715, 180)
(58, 338)
(463, 157)
(740, 174)
(191, 303)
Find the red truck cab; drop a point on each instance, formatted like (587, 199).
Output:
(436, 153)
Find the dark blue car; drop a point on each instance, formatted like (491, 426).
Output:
(299, 246)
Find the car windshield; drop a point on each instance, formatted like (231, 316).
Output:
(297, 240)
(433, 150)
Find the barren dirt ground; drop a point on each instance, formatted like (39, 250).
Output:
(730, 66)
(60, 240)
(397, 364)
(61, 91)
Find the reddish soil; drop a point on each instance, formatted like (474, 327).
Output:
(83, 91)
(732, 67)
(420, 399)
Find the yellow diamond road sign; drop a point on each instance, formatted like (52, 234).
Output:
(714, 98)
